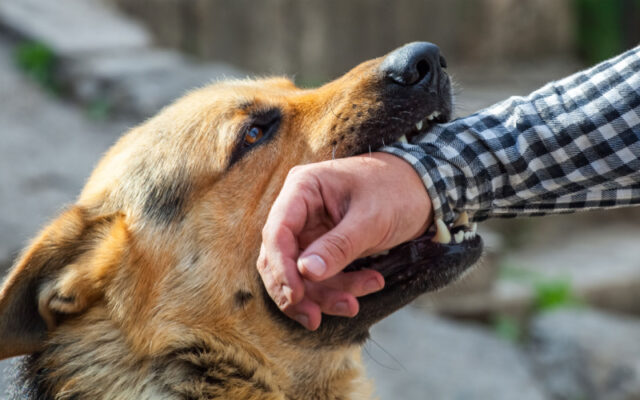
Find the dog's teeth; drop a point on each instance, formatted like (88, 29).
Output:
(474, 227)
(442, 233)
(403, 139)
(469, 235)
(459, 237)
(463, 220)
(419, 126)
(433, 115)
(382, 253)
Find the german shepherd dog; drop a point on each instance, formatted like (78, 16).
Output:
(147, 288)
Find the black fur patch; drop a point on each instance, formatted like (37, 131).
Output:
(165, 201)
(206, 371)
(242, 297)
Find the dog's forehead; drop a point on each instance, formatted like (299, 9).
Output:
(242, 97)
(246, 91)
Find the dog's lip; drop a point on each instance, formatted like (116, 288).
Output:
(426, 254)
(436, 116)
(446, 251)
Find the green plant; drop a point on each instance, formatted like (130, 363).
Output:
(549, 293)
(554, 293)
(39, 62)
(99, 109)
(507, 328)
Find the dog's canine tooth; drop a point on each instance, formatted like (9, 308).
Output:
(459, 237)
(442, 233)
(463, 220)
(474, 227)
(419, 125)
(403, 139)
(433, 115)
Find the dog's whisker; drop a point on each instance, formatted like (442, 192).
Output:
(391, 356)
(333, 153)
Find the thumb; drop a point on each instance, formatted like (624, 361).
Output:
(333, 251)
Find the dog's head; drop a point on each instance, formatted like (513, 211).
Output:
(163, 241)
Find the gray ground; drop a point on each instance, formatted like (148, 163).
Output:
(47, 149)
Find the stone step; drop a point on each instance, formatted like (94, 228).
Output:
(106, 59)
(413, 355)
(138, 83)
(600, 267)
(587, 354)
(73, 27)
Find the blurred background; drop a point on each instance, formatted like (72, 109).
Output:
(553, 309)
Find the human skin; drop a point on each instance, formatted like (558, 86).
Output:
(329, 214)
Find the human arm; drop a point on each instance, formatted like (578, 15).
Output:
(572, 145)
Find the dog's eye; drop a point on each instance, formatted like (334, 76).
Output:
(253, 135)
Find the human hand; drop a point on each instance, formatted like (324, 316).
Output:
(329, 214)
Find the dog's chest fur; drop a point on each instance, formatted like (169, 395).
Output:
(72, 367)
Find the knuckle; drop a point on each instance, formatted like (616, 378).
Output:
(296, 171)
(282, 302)
(266, 231)
(339, 246)
(281, 234)
(262, 266)
(276, 295)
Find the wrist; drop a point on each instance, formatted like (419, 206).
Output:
(408, 189)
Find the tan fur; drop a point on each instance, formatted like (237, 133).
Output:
(136, 301)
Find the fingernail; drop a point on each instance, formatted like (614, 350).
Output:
(314, 264)
(288, 293)
(372, 285)
(303, 320)
(341, 308)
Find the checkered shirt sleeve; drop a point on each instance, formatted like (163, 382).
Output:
(572, 145)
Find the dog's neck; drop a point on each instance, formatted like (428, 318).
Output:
(94, 361)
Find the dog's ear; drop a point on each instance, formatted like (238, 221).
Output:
(59, 275)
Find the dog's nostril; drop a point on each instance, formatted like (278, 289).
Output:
(443, 62)
(423, 69)
(417, 62)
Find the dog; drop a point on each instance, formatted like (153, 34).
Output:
(147, 288)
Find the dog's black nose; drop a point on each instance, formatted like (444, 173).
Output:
(413, 63)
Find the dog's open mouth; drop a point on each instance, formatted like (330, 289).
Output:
(420, 126)
(434, 259)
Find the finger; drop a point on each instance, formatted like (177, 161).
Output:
(334, 250)
(357, 283)
(332, 301)
(284, 285)
(306, 313)
(286, 219)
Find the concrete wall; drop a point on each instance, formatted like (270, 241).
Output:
(317, 39)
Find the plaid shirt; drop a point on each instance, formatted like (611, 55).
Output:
(572, 145)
